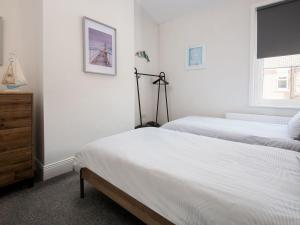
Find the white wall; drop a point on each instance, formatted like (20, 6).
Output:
(224, 27)
(146, 39)
(23, 36)
(80, 107)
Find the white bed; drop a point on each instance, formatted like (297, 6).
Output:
(250, 132)
(191, 179)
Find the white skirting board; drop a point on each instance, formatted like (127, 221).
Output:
(55, 169)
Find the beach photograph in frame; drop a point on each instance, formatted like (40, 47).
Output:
(196, 57)
(99, 47)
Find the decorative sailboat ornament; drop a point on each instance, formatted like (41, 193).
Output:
(14, 76)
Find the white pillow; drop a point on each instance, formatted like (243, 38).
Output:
(294, 127)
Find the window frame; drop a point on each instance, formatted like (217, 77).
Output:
(256, 69)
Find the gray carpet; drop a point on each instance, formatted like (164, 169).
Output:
(57, 202)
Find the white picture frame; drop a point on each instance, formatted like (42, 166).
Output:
(195, 57)
(100, 54)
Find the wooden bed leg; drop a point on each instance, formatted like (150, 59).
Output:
(81, 185)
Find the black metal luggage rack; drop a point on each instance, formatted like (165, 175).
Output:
(161, 81)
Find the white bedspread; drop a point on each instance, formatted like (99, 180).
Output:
(274, 135)
(192, 179)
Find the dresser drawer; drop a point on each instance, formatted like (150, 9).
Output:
(9, 120)
(24, 174)
(17, 167)
(13, 103)
(24, 171)
(15, 99)
(6, 178)
(15, 107)
(15, 138)
(15, 156)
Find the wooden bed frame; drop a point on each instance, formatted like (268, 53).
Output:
(135, 207)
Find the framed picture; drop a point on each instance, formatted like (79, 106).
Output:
(99, 47)
(196, 57)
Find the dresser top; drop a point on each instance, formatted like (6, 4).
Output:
(8, 92)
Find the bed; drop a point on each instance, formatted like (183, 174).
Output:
(169, 177)
(250, 129)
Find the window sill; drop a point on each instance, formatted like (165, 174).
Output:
(273, 106)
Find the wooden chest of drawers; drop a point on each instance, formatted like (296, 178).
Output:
(16, 138)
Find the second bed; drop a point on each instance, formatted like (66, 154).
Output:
(273, 133)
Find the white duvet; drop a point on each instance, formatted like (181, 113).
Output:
(192, 179)
(250, 132)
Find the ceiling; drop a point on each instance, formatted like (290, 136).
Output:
(164, 10)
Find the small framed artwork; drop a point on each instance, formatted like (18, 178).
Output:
(196, 57)
(99, 47)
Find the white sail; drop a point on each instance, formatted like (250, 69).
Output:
(21, 80)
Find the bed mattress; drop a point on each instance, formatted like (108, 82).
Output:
(250, 132)
(191, 179)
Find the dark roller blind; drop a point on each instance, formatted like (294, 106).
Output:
(278, 29)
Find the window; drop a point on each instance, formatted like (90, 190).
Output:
(282, 84)
(275, 55)
(281, 77)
